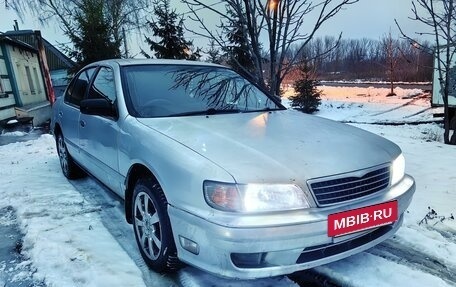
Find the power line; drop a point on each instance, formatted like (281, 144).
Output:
(201, 8)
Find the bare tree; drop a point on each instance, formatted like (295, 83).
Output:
(365, 59)
(440, 17)
(120, 14)
(392, 55)
(278, 24)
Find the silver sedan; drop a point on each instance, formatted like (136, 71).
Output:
(218, 174)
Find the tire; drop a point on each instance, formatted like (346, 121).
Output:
(69, 168)
(152, 227)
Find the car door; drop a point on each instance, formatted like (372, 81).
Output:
(98, 135)
(68, 113)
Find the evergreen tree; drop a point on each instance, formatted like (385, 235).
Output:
(168, 28)
(308, 97)
(238, 51)
(91, 35)
(213, 53)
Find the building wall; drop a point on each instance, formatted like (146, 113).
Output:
(7, 100)
(28, 76)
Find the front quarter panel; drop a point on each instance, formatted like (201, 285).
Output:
(179, 170)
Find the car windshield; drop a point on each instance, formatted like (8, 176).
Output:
(183, 90)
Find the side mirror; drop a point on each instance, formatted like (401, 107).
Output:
(97, 107)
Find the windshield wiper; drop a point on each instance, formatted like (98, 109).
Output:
(266, 110)
(210, 111)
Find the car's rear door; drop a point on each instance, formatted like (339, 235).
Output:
(98, 135)
(68, 113)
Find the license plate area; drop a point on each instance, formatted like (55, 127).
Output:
(355, 220)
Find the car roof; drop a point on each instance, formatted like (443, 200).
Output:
(131, 62)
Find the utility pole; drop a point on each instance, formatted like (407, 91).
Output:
(124, 35)
(273, 6)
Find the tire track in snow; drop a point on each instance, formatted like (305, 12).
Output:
(402, 254)
(311, 278)
(396, 108)
(417, 113)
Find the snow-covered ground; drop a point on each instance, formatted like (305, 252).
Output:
(74, 233)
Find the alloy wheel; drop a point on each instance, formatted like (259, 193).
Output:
(63, 154)
(147, 226)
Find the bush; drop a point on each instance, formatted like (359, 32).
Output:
(308, 97)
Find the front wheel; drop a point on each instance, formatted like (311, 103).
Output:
(152, 227)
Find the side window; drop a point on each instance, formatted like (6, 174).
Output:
(78, 87)
(103, 86)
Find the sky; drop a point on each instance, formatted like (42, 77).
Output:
(365, 19)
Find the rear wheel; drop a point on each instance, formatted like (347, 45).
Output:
(69, 168)
(152, 227)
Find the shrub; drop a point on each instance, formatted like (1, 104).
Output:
(308, 97)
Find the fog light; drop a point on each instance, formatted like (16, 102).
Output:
(189, 245)
(248, 260)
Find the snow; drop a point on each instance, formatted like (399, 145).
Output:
(64, 237)
(191, 277)
(66, 242)
(11, 122)
(371, 94)
(14, 134)
(368, 270)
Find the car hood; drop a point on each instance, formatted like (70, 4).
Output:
(280, 146)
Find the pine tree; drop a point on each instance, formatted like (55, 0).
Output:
(91, 35)
(213, 53)
(308, 97)
(238, 51)
(168, 28)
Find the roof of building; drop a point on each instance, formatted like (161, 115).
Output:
(15, 42)
(56, 60)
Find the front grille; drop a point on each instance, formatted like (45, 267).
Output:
(319, 252)
(343, 189)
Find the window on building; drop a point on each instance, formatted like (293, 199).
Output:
(21, 79)
(37, 80)
(29, 79)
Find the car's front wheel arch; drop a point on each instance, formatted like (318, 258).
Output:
(57, 130)
(136, 172)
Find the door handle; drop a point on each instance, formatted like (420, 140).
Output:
(82, 123)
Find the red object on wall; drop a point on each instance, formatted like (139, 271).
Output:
(45, 68)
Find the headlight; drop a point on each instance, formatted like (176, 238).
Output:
(254, 197)
(397, 169)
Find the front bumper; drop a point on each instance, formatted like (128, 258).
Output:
(300, 242)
